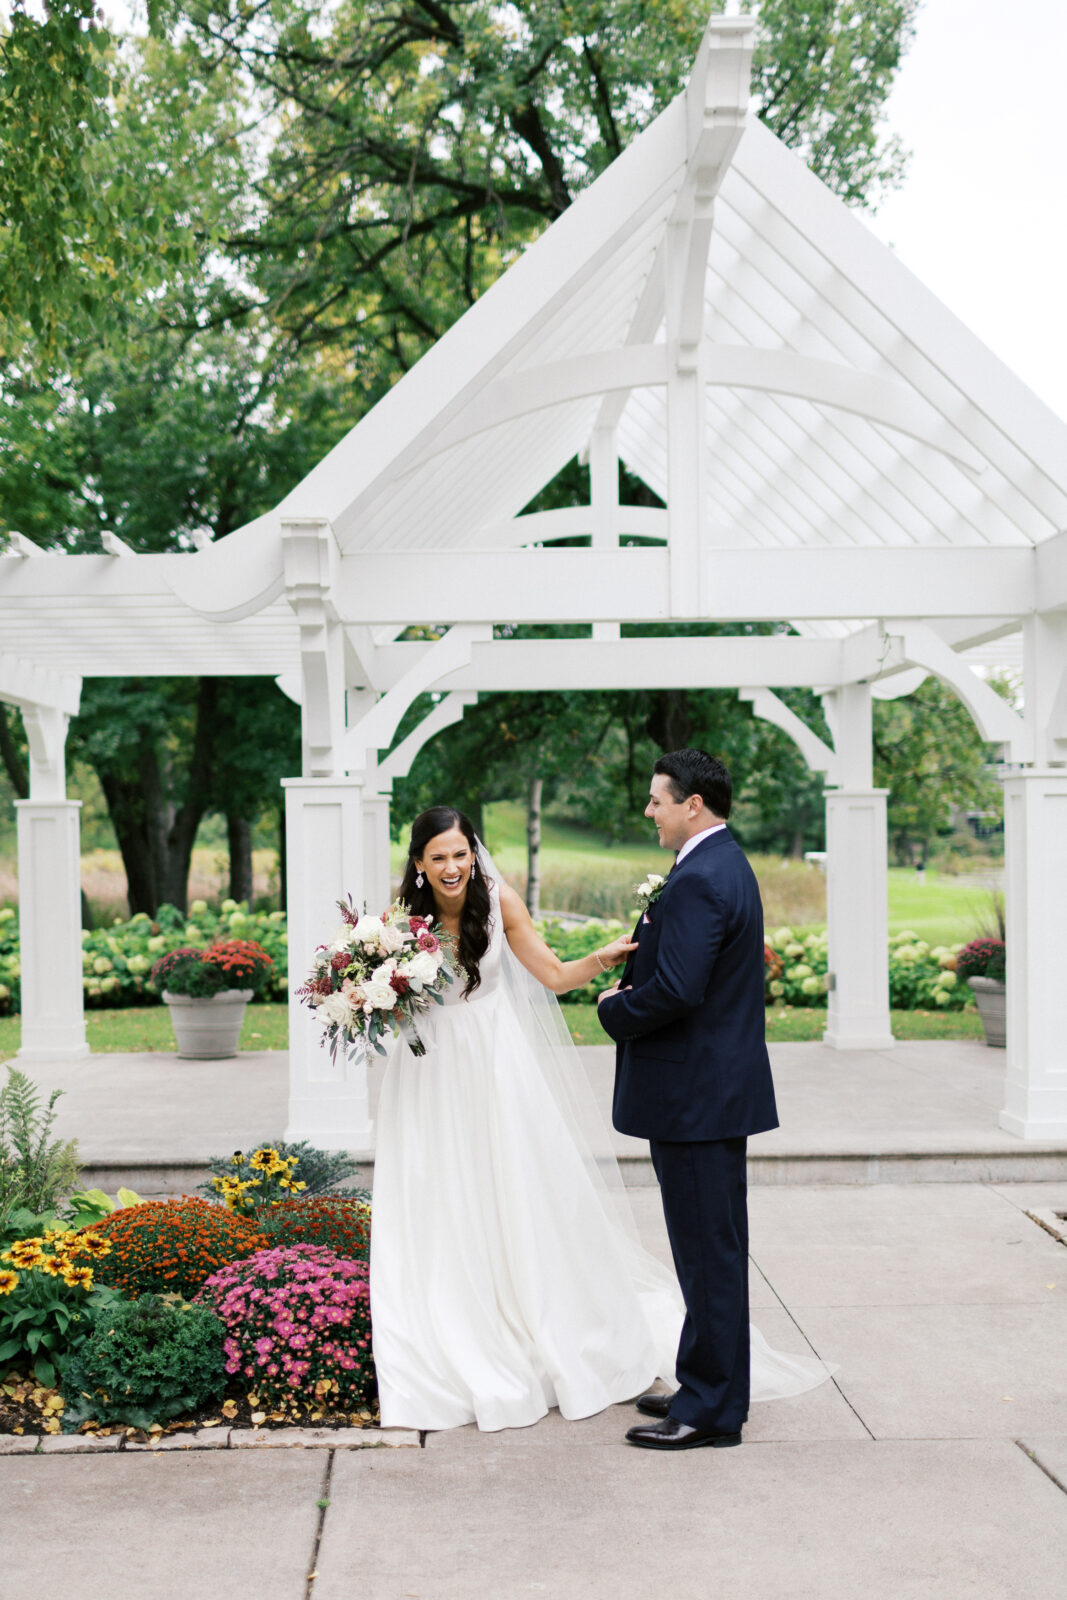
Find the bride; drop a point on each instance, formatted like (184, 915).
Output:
(506, 1273)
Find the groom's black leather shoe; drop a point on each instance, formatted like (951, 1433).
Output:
(674, 1435)
(654, 1404)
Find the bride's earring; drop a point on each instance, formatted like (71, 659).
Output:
(474, 869)
(419, 880)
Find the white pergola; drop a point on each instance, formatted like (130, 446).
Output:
(834, 450)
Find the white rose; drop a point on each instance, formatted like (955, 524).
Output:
(422, 967)
(368, 930)
(390, 940)
(335, 1008)
(379, 995)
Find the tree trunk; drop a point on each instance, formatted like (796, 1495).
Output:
(181, 836)
(239, 835)
(533, 846)
(283, 860)
(12, 758)
(125, 805)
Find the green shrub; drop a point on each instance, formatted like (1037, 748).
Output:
(146, 1361)
(570, 944)
(920, 977)
(171, 1246)
(318, 1170)
(35, 1169)
(336, 1221)
(48, 1296)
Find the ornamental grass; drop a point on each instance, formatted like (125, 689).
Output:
(297, 1321)
(172, 1246)
(338, 1222)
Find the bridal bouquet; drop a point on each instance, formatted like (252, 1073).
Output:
(377, 973)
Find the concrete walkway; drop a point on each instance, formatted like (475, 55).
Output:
(934, 1466)
(922, 1111)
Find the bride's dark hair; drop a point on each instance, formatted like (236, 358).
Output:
(474, 923)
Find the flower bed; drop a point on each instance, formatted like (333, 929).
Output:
(920, 976)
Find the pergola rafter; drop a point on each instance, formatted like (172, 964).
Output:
(834, 450)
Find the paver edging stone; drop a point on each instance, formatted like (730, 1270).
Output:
(212, 1439)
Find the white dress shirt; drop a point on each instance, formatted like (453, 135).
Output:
(691, 844)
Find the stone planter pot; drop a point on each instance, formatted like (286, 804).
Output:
(208, 1029)
(990, 995)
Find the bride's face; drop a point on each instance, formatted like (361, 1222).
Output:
(447, 862)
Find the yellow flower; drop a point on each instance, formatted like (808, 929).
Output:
(79, 1278)
(55, 1266)
(25, 1253)
(265, 1160)
(94, 1244)
(8, 1281)
(238, 1159)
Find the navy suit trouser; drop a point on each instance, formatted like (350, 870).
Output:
(705, 1202)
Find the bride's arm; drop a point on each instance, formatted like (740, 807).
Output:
(543, 963)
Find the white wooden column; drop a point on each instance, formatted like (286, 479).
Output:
(1035, 893)
(330, 836)
(49, 868)
(332, 851)
(857, 898)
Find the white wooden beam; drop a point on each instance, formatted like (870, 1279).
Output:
(767, 706)
(994, 717)
(397, 764)
(24, 683)
(713, 663)
(1051, 581)
(376, 729)
(747, 585)
(114, 546)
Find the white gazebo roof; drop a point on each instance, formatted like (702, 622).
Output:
(863, 455)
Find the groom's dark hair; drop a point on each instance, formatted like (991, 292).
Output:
(695, 772)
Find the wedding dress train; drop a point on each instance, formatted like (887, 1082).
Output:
(506, 1276)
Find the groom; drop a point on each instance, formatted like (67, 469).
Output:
(693, 1077)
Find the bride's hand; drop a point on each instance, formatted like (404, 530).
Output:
(612, 955)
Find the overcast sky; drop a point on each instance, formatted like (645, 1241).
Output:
(982, 216)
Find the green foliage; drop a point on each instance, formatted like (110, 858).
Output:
(47, 1302)
(35, 1169)
(146, 1361)
(919, 976)
(320, 1171)
(233, 964)
(117, 961)
(570, 944)
(93, 1205)
(340, 1223)
(930, 756)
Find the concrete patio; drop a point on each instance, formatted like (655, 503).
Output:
(932, 1467)
(921, 1111)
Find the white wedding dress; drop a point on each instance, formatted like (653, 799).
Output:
(506, 1275)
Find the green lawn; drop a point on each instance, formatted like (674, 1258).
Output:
(266, 1027)
(941, 911)
(148, 1028)
(793, 1024)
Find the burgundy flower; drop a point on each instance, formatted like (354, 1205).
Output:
(427, 941)
(417, 924)
(340, 961)
(398, 983)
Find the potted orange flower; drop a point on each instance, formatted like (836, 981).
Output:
(206, 992)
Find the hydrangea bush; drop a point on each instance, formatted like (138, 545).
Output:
(921, 976)
(171, 1246)
(297, 1324)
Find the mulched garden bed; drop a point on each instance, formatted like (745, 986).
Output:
(27, 1407)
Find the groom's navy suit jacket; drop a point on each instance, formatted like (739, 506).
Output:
(691, 1055)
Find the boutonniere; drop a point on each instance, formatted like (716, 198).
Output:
(648, 892)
